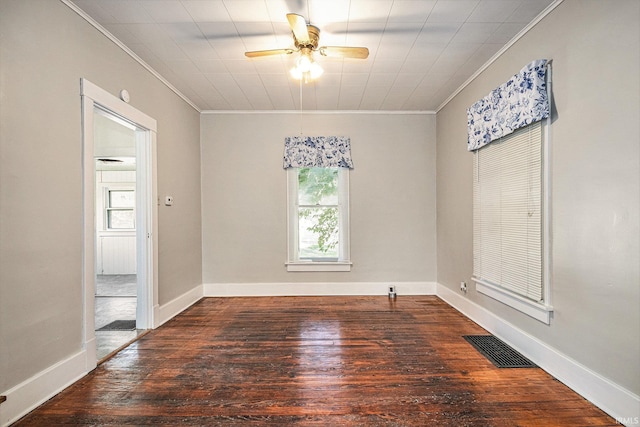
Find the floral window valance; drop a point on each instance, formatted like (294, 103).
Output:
(317, 151)
(519, 102)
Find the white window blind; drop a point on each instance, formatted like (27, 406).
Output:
(507, 219)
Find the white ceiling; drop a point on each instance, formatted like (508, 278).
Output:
(421, 51)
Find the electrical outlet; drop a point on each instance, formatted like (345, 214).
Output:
(463, 287)
(392, 291)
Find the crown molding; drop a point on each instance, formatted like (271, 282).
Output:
(316, 112)
(499, 53)
(486, 65)
(128, 51)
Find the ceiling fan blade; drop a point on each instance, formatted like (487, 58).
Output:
(299, 27)
(345, 51)
(259, 53)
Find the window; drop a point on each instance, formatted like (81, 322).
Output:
(119, 211)
(509, 222)
(318, 219)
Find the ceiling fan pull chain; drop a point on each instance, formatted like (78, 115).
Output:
(300, 86)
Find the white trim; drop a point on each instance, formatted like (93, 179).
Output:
(166, 312)
(344, 230)
(292, 215)
(295, 266)
(317, 289)
(88, 232)
(146, 238)
(605, 394)
(92, 97)
(31, 393)
(128, 51)
(546, 195)
(536, 310)
(499, 53)
(117, 106)
(313, 112)
(608, 396)
(132, 54)
(91, 354)
(294, 263)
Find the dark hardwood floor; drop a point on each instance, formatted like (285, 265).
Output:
(325, 361)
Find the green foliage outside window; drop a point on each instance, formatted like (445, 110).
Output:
(318, 201)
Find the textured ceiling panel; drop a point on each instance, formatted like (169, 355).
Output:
(420, 51)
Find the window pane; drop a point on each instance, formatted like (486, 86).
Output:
(122, 199)
(318, 186)
(318, 232)
(121, 219)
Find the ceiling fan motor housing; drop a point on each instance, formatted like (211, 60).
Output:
(314, 37)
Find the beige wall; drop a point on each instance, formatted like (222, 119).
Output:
(45, 49)
(392, 189)
(235, 231)
(595, 203)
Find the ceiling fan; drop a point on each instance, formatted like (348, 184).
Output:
(305, 39)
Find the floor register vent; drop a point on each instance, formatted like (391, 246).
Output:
(120, 325)
(499, 353)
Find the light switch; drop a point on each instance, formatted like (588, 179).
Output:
(168, 201)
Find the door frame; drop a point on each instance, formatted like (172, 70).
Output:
(146, 210)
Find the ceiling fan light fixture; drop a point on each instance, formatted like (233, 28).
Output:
(303, 64)
(305, 39)
(306, 68)
(315, 71)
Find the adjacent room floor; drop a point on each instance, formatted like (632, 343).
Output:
(321, 361)
(115, 300)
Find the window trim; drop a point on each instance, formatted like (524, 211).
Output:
(538, 311)
(107, 207)
(294, 263)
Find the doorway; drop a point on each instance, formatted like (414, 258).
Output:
(116, 290)
(120, 280)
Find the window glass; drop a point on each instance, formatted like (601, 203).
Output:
(318, 233)
(121, 218)
(120, 212)
(122, 199)
(317, 186)
(318, 213)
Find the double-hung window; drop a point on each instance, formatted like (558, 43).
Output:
(120, 209)
(510, 182)
(318, 203)
(508, 225)
(318, 219)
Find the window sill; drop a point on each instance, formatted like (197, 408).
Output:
(536, 310)
(318, 266)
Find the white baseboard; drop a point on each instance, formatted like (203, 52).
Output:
(164, 313)
(616, 401)
(91, 354)
(28, 395)
(31, 393)
(316, 289)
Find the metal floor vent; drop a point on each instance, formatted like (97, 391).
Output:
(499, 353)
(120, 325)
